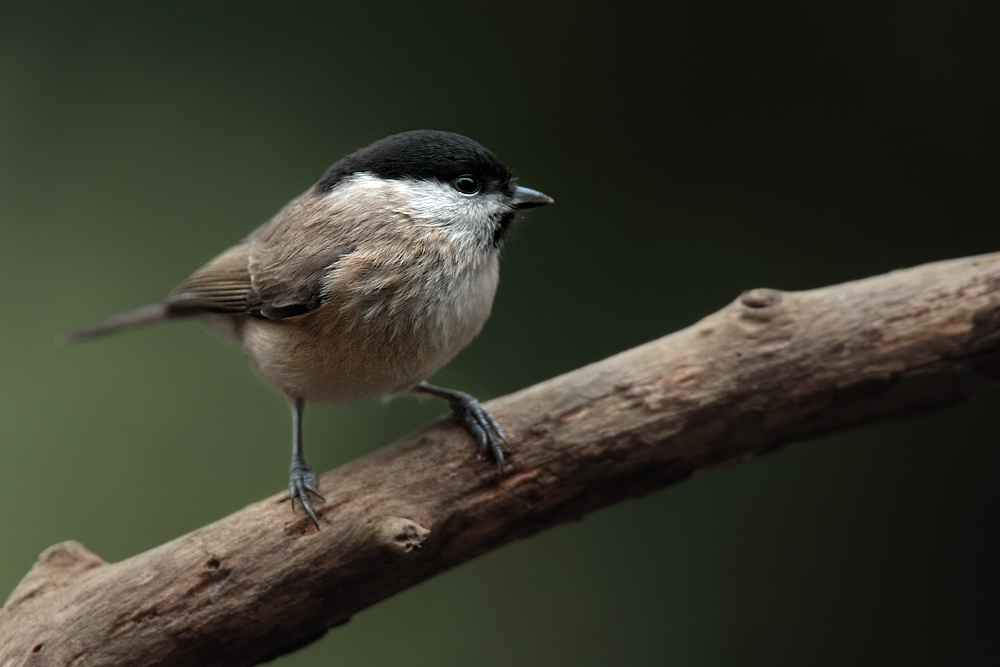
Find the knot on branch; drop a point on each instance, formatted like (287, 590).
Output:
(404, 536)
(55, 568)
(761, 297)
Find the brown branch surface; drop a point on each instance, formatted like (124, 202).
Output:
(766, 370)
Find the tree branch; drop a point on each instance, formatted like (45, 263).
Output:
(768, 369)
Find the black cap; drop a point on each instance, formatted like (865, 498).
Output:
(422, 155)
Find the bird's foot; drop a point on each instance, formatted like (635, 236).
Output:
(302, 482)
(478, 421)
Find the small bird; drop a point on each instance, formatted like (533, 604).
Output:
(365, 284)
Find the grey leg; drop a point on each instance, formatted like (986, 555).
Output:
(302, 479)
(475, 418)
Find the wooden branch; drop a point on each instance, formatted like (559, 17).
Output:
(766, 370)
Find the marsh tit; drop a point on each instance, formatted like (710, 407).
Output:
(365, 284)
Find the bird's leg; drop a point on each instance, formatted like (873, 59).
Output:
(302, 479)
(475, 418)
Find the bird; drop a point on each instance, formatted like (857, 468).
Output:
(364, 285)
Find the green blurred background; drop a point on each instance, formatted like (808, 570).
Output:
(694, 149)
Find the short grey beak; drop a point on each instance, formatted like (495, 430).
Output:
(528, 198)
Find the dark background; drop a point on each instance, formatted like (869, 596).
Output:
(694, 149)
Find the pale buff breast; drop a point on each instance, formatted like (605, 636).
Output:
(357, 350)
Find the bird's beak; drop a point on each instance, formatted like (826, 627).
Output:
(528, 198)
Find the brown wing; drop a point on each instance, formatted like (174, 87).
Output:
(276, 272)
(292, 256)
(221, 286)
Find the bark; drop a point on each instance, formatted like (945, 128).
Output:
(768, 369)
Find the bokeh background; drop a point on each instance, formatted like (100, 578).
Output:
(694, 149)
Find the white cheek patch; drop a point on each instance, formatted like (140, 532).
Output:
(468, 219)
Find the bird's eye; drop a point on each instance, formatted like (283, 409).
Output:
(467, 185)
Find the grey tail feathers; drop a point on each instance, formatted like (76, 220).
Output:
(154, 312)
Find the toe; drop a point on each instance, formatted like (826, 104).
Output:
(309, 510)
(310, 486)
(302, 492)
(301, 483)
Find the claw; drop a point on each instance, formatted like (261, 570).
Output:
(482, 426)
(475, 418)
(302, 482)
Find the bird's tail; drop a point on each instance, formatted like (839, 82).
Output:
(154, 312)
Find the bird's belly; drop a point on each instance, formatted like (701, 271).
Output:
(331, 356)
